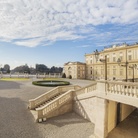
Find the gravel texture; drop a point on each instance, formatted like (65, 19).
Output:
(16, 120)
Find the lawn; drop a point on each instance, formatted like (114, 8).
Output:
(14, 79)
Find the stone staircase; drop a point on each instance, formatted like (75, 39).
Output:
(52, 103)
(48, 101)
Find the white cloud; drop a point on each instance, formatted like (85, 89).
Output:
(83, 46)
(29, 42)
(51, 20)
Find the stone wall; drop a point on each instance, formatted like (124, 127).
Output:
(126, 110)
(86, 108)
(67, 107)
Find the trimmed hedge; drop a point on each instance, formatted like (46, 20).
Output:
(50, 83)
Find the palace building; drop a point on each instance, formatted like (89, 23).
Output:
(118, 62)
(113, 63)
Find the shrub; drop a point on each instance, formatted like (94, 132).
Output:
(64, 75)
(70, 77)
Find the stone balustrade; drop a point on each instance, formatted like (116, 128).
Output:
(86, 89)
(122, 88)
(33, 103)
(44, 111)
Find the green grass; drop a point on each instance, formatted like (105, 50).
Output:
(52, 78)
(14, 79)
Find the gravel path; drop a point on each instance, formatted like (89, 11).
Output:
(16, 120)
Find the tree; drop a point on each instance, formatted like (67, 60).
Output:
(54, 69)
(26, 69)
(22, 69)
(6, 68)
(41, 68)
(63, 75)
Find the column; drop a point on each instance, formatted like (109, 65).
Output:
(101, 123)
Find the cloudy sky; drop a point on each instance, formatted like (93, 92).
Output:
(53, 32)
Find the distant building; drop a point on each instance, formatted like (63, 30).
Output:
(95, 69)
(75, 70)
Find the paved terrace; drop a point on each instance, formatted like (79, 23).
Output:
(16, 120)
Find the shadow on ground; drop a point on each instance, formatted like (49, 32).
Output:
(15, 120)
(66, 119)
(69, 125)
(9, 85)
(127, 128)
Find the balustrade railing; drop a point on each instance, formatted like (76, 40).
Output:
(122, 88)
(44, 97)
(55, 104)
(86, 89)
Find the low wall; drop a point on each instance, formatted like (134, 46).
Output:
(126, 110)
(67, 107)
(86, 108)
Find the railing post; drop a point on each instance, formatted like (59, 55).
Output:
(40, 115)
(101, 86)
(31, 104)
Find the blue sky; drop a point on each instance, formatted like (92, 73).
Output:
(53, 32)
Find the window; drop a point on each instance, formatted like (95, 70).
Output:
(129, 57)
(101, 71)
(129, 51)
(121, 72)
(114, 71)
(114, 59)
(121, 58)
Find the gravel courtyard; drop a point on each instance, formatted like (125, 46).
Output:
(16, 120)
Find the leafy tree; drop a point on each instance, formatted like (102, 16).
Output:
(6, 68)
(54, 69)
(41, 68)
(22, 69)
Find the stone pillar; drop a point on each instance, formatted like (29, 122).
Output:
(101, 86)
(101, 122)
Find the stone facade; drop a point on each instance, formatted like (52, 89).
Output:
(75, 69)
(95, 69)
